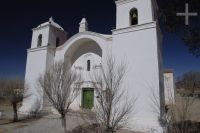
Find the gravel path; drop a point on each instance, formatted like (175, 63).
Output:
(52, 123)
(47, 124)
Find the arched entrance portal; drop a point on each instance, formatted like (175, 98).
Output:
(85, 56)
(80, 48)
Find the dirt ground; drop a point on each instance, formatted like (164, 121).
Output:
(45, 124)
(194, 114)
(52, 123)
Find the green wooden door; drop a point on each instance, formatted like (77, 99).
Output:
(88, 98)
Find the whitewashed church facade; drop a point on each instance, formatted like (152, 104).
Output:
(137, 40)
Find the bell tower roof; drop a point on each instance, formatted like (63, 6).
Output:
(122, 1)
(83, 20)
(52, 23)
(83, 25)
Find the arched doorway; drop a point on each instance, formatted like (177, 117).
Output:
(85, 56)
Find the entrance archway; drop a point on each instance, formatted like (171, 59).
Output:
(85, 56)
(81, 47)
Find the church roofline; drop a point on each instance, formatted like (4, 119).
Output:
(135, 28)
(102, 36)
(49, 23)
(119, 2)
(39, 48)
(123, 1)
(168, 70)
(127, 1)
(44, 26)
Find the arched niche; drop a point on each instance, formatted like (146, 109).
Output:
(133, 16)
(81, 47)
(39, 41)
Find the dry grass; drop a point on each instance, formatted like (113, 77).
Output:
(95, 128)
(31, 123)
(183, 116)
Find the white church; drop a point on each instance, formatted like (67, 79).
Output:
(137, 39)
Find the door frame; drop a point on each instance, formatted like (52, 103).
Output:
(86, 88)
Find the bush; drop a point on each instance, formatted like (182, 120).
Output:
(94, 128)
(189, 127)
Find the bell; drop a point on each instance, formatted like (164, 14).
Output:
(134, 15)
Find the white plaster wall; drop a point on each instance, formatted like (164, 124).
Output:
(144, 7)
(54, 33)
(36, 65)
(45, 35)
(169, 88)
(81, 62)
(138, 47)
(161, 70)
(50, 57)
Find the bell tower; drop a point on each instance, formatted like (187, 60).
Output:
(46, 37)
(48, 34)
(135, 12)
(137, 39)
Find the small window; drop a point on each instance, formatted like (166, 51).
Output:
(39, 43)
(88, 65)
(134, 16)
(57, 42)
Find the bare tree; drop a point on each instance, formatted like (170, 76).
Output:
(178, 114)
(112, 110)
(61, 85)
(12, 92)
(189, 82)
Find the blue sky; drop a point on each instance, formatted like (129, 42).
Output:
(177, 57)
(17, 20)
